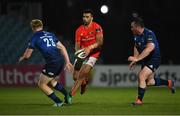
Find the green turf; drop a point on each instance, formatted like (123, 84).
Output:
(95, 101)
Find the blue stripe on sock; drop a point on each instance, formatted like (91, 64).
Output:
(157, 81)
(60, 88)
(141, 92)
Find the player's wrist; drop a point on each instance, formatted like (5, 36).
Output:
(90, 47)
(67, 61)
(137, 59)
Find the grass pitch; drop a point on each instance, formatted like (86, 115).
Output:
(31, 101)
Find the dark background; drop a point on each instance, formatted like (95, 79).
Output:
(161, 16)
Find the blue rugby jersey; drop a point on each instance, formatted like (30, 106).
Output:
(46, 43)
(142, 40)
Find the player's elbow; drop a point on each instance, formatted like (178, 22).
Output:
(100, 43)
(62, 48)
(150, 49)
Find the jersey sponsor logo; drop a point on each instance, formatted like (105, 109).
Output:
(45, 36)
(88, 39)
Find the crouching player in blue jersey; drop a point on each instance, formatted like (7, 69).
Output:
(146, 50)
(56, 58)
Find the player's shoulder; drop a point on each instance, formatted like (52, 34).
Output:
(80, 28)
(95, 24)
(36, 35)
(148, 31)
(149, 35)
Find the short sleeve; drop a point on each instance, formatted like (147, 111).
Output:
(55, 38)
(98, 29)
(32, 42)
(150, 38)
(77, 36)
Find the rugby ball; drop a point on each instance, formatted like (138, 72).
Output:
(80, 54)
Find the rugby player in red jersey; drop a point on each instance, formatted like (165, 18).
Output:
(89, 38)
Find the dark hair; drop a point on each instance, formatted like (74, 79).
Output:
(88, 11)
(138, 21)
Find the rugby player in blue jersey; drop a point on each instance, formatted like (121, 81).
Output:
(147, 52)
(56, 58)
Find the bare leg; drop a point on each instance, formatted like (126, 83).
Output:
(43, 85)
(85, 69)
(43, 81)
(143, 76)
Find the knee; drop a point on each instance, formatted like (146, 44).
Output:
(151, 82)
(75, 76)
(40, 84)
(53, 83)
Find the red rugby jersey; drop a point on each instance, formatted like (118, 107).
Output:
(86, 36)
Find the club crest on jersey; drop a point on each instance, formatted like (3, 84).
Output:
(91, 32)
(98, 30)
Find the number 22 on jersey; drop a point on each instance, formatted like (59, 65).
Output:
(49, 42)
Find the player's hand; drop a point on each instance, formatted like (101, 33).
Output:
(20, 59)
(68, 67)
(87, 50)
(132, 59)
(132, 65)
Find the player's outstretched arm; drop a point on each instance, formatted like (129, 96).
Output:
(68, 65)
(136, 54)
(99, 42)
(149, 48)
(27, 54)
(77, 46)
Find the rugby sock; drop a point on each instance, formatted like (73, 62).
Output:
(60, 88)
(159, 81)
(54, 98)
(141, 92)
